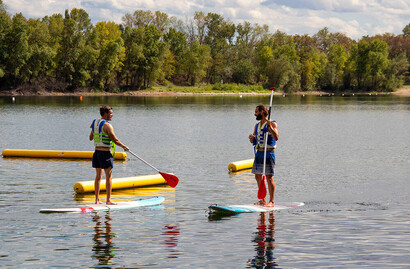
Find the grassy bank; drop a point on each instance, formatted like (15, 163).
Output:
(211, 89)
(220, 89)
(216, 89)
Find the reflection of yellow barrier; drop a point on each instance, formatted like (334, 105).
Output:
(121, 183)
(67, 154)
(240, 165)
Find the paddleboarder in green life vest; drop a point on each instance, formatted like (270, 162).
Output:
(257, 139)
(104, 138)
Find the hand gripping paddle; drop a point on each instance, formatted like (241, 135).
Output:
(262, 186)
(170, 179)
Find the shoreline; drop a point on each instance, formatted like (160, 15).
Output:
(402, 92)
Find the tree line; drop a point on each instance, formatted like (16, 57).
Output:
(66, 52)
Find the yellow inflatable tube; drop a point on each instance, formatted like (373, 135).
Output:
(121, 183)
(240, 165)
(67, 154)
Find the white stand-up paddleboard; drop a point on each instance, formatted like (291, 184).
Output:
(103, 207)
(236, 209)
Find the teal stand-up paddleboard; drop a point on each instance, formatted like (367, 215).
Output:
(103, 207)
(236, 209)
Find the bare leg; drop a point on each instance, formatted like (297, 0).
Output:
(259, 181)
(271, 187)
(108, 185)
(97, 182)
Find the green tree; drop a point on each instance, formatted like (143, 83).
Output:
(278, 61)
(153, 50)
(111, 50)
(332, 77)
(281, 73)
(397, 45)
(16, 50)
(249, 52)
(247, 37)
(323, 40)
(40, 64)
(161, 21)
(244, 72)
(76, 55)
(396, 72)
(134, 56)
(361, 54)
(219, 37)
(196, 62)
(167, 68)
(313, 60)
(142, 18)
(264, 56)
(5, 25)
(177, 43)
(312, 70)
(200, 21)
(406, 30)
(378, 62)
(55, 25)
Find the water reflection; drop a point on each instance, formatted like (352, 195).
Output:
(123, 100)
(264, 243)
(171, 233)
(103, 239)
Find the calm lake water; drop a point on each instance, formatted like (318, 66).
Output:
(346, 158)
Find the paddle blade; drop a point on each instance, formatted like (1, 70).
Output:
(170, 179)
(262, 189)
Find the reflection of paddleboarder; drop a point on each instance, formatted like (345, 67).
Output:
(257, 138)
(104, 138)
(264, 243)
(171, 234)
(103, 251)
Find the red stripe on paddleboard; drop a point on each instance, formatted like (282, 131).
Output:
(87, 209)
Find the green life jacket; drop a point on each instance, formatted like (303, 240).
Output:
(101, 139)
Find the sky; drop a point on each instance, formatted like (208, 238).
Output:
(354, 18)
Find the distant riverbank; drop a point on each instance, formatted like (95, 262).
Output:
(180, 91)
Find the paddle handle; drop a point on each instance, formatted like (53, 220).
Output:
(270, 103)
(142, 160)
(266, 134)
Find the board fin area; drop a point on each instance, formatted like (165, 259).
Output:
(102, 207)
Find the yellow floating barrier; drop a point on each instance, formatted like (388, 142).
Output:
(240, 165)
(121, 183)
(125, 194)
(66, 154)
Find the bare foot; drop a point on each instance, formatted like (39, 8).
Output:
(260, 202)
(98, 202)
(111, 203)
(270, 204)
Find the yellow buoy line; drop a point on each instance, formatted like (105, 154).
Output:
(240, 165)
(126, 194)
(117, 183)
(88, 186)
(64, 154)
(121, 183)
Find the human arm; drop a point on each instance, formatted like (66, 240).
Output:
(273, 130)
(91, 136)
(110, 131)
(252, 136)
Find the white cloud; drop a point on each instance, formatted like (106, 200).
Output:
(355, 18)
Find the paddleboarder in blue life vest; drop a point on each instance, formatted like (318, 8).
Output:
(257, 139)
(104, 138)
